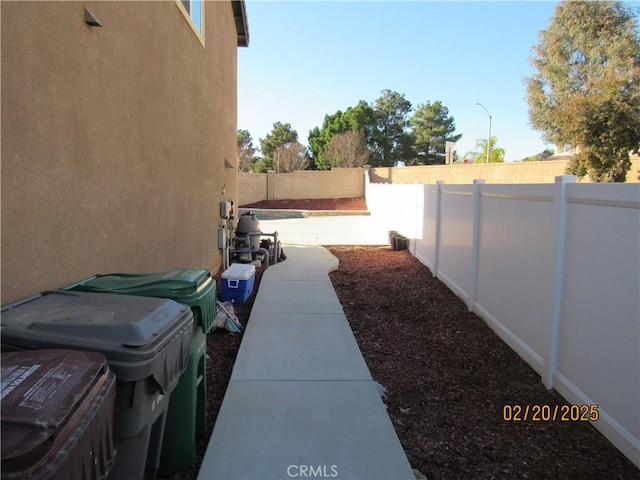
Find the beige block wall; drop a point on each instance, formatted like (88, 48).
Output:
(252, 188)
(517, 172)
(114, 140)
(525, 172)
(301, 184)
(349, 182)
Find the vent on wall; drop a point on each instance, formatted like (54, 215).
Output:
(90, 19)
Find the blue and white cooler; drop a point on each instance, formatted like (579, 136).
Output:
(237, 282)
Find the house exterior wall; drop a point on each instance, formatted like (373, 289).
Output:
(114, 140)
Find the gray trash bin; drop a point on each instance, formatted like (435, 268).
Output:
(146, 342)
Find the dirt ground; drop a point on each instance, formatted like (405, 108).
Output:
(448, 378)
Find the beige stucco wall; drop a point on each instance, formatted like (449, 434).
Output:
(114, 140)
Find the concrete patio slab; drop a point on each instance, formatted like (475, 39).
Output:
(272, 430)
(334, 230)
(307, 256)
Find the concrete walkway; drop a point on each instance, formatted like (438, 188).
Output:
(301, 402)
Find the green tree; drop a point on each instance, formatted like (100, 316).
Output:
(585, 90)
(246, 152)
(391, 141)
(432, 128)
(317, 144)
(356, 119)
(280, 134)
(263, 165)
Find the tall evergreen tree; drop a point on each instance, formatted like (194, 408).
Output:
(432, 128)
(280, 134)
(246, 152)
(391, 139)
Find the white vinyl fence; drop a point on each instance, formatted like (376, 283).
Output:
(554, 270)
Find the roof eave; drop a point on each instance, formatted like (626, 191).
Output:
(242, 26)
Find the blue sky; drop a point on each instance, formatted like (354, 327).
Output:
(307, 59)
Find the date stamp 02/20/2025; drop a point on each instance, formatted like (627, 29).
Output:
(550, 413)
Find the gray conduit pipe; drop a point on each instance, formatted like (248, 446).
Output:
(251, 250)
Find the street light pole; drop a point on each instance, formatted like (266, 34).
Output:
(488, 139)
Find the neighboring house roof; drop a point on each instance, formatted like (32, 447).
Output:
(242, 26)
(558, 156)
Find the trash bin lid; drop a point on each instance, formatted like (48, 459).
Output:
(41, 392)
(128, 329)
(174, 282)
(192, 287)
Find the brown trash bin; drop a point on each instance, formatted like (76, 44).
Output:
(58, 415)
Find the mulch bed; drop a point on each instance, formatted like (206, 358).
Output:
(448, 377)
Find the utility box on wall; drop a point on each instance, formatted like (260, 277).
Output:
(225, 209)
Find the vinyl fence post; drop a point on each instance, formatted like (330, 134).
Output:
(439, 184)
(560, 226)
(418, 216)
(471, 300)
(367, 180)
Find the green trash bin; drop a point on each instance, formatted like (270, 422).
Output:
(187, 411)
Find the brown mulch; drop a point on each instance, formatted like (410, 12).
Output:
(314, 204)
(447, 375)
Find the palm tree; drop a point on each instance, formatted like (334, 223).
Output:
(480, 155)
